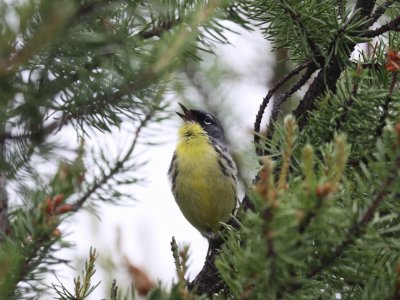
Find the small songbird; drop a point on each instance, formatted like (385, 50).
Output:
(202, 173)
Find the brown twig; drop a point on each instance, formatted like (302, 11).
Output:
(267, 98)
(208, 280)
(282, 98)
(316, 89)
(392, 25)
(381, 10)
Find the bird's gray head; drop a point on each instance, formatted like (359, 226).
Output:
(207, 121)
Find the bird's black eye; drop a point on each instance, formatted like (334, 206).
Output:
(207, 120)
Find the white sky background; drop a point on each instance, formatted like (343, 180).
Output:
(144, 229)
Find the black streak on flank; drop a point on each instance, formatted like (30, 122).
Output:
(229, 161)
(218, 150)
(234, 178)
(172, 163)
(222, 155)
(174, 178)
(223, 169)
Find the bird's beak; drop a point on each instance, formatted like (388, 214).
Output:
(187, 114)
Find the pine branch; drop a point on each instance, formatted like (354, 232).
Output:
(365, 7)
(309, 183)
(267, 98)
(36, 238)
(271, 254)
(316, 89)
(327, 77)
(83, 286)
(39, 134)
(17, 136)
(181, 263)
(288, 148)
(114, 291)
(322, 190)
(357, 229)
(208, 281)
(4, 225)
(175, 255)
(149, 75)
(269, 188)
(349, 101)
(341, 8)
(381, 10)
(88, 8)
(98, 103)
(316, 53)
(282, 98)
(55, 22)
(117, 166)
(311, 214)
(393, 25)
(159, 29)
(384, 115)
(385, 106)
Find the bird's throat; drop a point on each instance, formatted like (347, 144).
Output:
(192, 134)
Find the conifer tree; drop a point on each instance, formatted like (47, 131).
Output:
(321, 219)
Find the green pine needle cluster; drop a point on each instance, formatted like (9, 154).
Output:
(321, 234)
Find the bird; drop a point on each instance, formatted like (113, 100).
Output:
(202, 173)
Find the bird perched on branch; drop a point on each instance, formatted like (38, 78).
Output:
(202, 173)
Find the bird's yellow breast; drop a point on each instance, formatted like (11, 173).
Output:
(204, 194)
